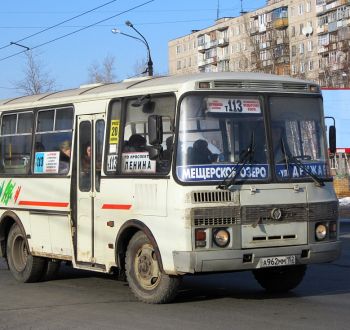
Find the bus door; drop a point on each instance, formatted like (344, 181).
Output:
(89, 159)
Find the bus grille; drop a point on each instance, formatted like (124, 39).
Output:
(290, 212)
(250, 215)
(260, 85)
(211, 196)
(215, 216)
(323, 211)
(263, 214)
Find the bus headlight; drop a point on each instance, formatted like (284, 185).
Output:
(320, 231)
(221, 237)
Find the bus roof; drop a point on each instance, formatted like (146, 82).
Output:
(218, 81)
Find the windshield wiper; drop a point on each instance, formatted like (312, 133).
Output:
(288, 158)
(247, 155)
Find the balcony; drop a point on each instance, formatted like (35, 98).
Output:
(201, 48)
(211, 60)
(223, 42)
(201, 63)
(265, 45)
(280, 23)
(254, 30)
(322, 49)
(223, 57)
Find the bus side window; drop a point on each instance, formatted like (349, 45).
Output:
(16, 141)
(85, 156)
(135, 158)
(53, 141)
(112, 138)
(99, 135)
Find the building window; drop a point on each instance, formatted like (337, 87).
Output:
(301, 48)
(292, 32)
(292, 11)
(308, 6)
(294, 50)
(178, 49)
(310, 65)
(302, 67)
(201, 41)
(178, 65)
(309, 45)
(323, 40)
(301, 26)
(301, 9)
(294, 71)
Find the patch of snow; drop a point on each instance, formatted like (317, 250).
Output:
(344, 201)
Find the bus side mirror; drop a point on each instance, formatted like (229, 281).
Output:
(155, 130)
(332, 139)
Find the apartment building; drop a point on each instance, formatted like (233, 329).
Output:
(307, 39)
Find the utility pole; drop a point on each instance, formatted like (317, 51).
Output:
(242, 11)
(218, 10)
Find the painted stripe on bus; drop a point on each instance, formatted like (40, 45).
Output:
(116, 206)
(46, 204)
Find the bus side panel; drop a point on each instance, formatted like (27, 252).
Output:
(51, 235)
(46, 215)
(144, 200)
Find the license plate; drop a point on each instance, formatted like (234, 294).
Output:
(276, 261)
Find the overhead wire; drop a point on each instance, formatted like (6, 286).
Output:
(58, 24)
(76, 31)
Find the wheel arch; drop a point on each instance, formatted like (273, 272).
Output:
(127, 230)
(7, 220)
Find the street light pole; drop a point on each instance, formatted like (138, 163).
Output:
(149, 63)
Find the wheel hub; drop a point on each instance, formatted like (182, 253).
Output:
(146, 267)
(20, 253)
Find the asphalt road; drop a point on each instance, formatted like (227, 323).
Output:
(84, 300)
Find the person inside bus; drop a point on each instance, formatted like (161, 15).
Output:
(200, 153)
(65, 151)
(85, 166)
(169, 148)
(136, 143)
(86, 158)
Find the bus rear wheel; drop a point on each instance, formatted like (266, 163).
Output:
(280, 279)
(148, 283)
(23, 266)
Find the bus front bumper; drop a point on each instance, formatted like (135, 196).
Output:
(231, 260)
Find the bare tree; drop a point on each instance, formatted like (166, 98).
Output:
(36, 80)
(104, 72)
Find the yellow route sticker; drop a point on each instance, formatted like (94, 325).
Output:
(114, 133)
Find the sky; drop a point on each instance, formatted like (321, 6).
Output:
(67, 60)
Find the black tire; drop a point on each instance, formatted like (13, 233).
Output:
(51, 269)
(280, 279)
(148, 283)
(24, 267)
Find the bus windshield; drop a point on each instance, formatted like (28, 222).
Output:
(299, 146)
(215, 133)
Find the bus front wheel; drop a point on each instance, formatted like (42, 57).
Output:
(24, 267)
(148, 283)
(280, 279)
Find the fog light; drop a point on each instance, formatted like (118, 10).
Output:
(201, 238)
(320, 231)
(221, 237)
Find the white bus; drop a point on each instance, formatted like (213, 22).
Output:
(159, 177)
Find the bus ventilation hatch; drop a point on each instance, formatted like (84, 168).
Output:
(260, 85)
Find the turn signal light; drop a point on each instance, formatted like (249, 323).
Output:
(201, 238)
